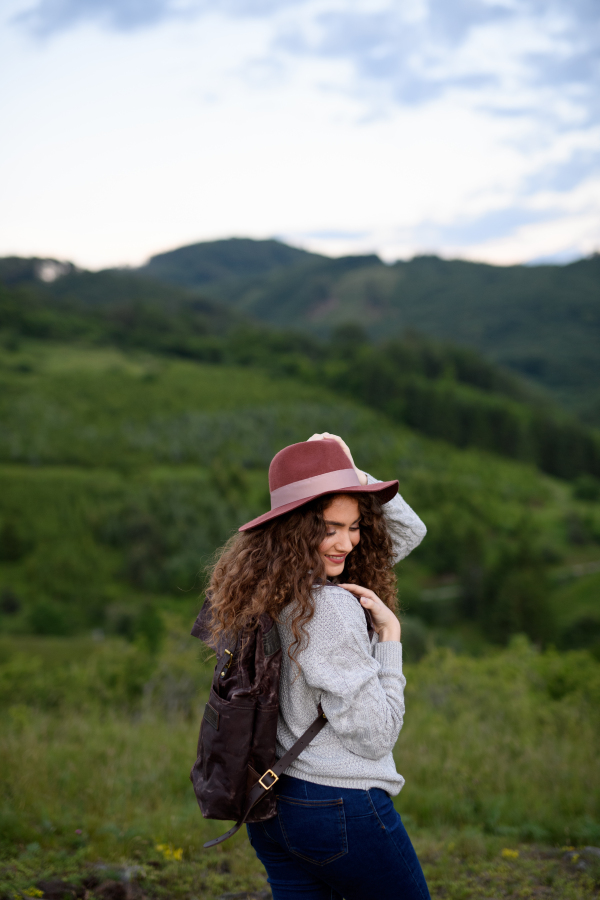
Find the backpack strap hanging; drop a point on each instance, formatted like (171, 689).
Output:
(270, 778)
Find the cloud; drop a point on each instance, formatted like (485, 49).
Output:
(491, 225)
(560, 258)
(422, 57)
(431, 109)
(535, 62)
(329, 235)
(564, 176)
(53, 16)
(414, 52)
(50, 17)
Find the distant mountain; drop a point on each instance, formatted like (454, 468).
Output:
(19, 270)
(205, 263)
(541, 321)
(121, 297)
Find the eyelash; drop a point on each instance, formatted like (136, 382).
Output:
(331, 533)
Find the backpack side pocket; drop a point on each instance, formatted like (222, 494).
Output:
(220, 773)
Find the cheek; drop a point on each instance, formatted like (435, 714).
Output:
(325, 545)
(354, 538)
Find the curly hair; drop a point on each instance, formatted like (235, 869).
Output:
(262, 570)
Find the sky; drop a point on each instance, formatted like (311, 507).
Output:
(466, 128)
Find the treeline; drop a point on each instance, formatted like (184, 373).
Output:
(122, 472)
(443, 391)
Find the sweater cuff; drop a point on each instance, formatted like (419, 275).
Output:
(389, 655)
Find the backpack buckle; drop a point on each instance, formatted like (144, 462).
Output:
(227, 664)
(267, 787)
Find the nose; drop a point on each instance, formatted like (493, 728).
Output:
(344, 544)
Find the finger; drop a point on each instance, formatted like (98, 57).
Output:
(327, 436)
(335, 437)
(360, 591)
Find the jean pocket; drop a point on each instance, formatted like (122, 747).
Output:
(314, 830)
(384, 809)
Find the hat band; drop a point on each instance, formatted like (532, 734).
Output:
(316, 484)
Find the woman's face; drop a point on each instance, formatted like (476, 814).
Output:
(342, 521)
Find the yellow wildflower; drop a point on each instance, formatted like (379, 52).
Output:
(169, 852)
(507, 853)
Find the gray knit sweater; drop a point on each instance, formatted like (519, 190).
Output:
(359, 683)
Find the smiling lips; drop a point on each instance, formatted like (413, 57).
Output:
(337, 559)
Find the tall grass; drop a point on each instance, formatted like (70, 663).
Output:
(507, 743)
(504, 743)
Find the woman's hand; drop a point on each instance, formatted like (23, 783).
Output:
(385, 623)
(334, 437)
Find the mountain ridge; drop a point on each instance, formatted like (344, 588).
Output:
(541, 322)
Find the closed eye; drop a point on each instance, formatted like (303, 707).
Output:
(352, 528)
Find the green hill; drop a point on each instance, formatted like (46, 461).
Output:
(540, 321)
(121, 471)
(441, 390)
(208, 262)
(137, 424)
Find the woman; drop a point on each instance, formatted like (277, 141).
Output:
(325, 550)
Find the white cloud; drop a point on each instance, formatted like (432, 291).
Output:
(344, 126)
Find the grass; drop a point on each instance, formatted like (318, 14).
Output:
(498, 755)
(458, 865)
(502, 743)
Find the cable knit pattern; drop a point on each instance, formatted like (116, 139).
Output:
(358, 682)
(406, 528)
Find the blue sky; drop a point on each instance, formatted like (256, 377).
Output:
(469, 128)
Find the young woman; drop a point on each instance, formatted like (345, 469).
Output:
(320, 564)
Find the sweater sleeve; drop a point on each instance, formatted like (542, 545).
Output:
(406, 528)
(361, 695)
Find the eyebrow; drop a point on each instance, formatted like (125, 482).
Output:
(341, 524)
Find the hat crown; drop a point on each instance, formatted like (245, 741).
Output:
(306, 460)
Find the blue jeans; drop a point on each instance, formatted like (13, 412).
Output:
(328, 843)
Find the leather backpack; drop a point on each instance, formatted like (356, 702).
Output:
(236, 766)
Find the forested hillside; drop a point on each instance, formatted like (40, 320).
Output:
(121, 472)
(543, 321)
(137, 422)
(125, 465)
(441, 390)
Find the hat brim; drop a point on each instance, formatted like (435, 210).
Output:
(387, 490)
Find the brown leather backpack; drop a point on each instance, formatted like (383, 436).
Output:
(236, 765)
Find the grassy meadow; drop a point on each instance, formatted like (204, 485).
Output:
(120, 473)
(498, 753)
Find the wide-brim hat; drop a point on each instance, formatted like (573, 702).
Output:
(302, 472)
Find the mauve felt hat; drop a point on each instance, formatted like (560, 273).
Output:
(301, 472)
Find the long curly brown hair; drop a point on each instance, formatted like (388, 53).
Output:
(262, 570)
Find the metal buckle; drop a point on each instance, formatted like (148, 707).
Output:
(267, 787)
(227, 664)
